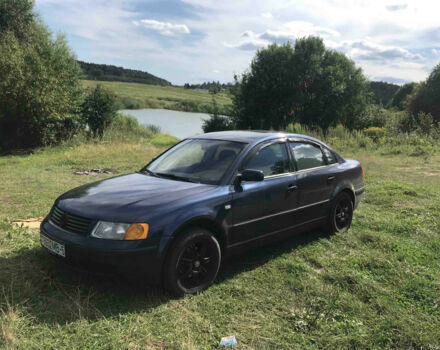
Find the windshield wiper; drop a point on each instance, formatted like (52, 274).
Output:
(176, 177)
(149, 172)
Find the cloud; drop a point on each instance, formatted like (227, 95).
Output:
(288, 32)
(267, 15)
(164, 28)
(396, 7)
(368, 50)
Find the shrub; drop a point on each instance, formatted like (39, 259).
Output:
(375, 132)
(99, 110)
(216, 122)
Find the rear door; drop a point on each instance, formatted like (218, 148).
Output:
(316, 179)
(265, 207)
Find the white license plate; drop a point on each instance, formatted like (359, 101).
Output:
(54, 247)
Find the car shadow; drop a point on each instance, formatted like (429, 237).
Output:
(258, 256)
(55, 294)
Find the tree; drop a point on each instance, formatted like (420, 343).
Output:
(16, 16)
(426, 97)
(306, 83)
(382, 92)
(40, 93)
(99, 110)
(216, 122)
(400, 98)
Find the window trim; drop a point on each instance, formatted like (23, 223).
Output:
(325, 156)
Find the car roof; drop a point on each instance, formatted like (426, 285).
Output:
(250, 136)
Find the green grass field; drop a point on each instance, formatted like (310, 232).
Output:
(135, 96)
(377, 286)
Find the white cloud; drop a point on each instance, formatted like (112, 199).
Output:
(216, 71)
(164, 28)
(368, 50)
(288, 32)
(267, 15)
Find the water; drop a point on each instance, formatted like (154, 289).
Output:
(175, 123)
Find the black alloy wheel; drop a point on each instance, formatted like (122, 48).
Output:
(341, 214)
(193, 262)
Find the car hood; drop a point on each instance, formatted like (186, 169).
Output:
(129, 197)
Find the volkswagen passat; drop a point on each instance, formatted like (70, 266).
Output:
(175, 220)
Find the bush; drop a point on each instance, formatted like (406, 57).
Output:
(99, 110)
(375, 132)
(216, 122)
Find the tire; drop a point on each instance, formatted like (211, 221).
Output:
(341, 214)
(192, 263)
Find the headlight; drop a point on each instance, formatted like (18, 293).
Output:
(119, 231)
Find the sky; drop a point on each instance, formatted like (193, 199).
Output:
(203, 40)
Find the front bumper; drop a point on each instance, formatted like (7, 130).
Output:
(128, 258)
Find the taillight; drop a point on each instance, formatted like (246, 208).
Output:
(363, 176)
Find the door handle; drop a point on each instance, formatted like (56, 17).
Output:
(330, 179)
(292, 188)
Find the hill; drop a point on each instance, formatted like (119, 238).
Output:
(383, 92)
(135, 96)
(104, 72)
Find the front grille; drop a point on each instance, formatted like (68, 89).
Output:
(69, 222)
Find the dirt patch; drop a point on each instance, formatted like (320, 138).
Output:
(95, 171)
(30, 223)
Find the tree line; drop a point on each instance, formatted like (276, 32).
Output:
(213, 87)
(105, 72)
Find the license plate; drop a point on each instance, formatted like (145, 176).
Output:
(54, 247)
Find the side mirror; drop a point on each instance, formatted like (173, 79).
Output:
(251, 175)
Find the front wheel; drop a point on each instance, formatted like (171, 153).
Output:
(192, 263)
(341, 214)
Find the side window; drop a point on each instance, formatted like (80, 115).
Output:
(307, 155)
(271, 160)
(329, 155)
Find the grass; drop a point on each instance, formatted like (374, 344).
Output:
(135, 96)
(377, 286)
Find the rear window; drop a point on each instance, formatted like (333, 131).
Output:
(306, 155)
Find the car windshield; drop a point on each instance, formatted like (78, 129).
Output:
(196, 160)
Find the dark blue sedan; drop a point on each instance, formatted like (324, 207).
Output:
(175, 220)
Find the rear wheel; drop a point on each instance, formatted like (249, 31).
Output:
(192, 263)
(341, 214)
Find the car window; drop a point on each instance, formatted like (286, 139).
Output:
(271, 160)
(331, 158)
(307, 155)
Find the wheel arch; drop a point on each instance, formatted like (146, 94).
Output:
(205, 222)
(346, 187)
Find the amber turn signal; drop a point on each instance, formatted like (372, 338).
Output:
(136, 231)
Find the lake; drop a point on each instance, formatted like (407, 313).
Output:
(176, 123)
